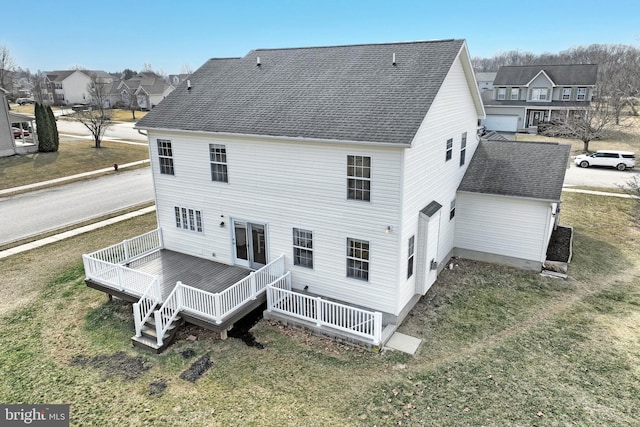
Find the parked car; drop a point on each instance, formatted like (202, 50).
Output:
(22, 101)
(620, 160)
(17, 132)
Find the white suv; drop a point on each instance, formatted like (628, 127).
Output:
(612, 158)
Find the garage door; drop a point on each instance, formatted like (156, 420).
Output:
(501, 123)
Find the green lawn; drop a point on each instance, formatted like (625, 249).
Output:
(73, 157)
(500, 347)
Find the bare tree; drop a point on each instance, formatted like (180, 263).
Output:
(186, 69)
(37, 81)
(633, 190)
(586, 125)
(97, 117)
(7, 65)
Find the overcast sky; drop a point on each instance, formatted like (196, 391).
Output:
(169, 35)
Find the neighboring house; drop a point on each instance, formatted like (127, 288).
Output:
(485, 81)
(7, 143)
(70, 86)
(331, 173)
(524, 96)
(145, 90)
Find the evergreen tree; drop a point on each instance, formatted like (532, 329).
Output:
(53, 129)
(46, 129)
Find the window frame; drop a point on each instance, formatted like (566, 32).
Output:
(502, 94)
(300, 237)
(564, 93)
(219, 163)
(358, 266)
(515, 91)
(188, 219)
(581, 96)
(452, 209)
(165, 156)
(537, 92)
(410, 255)
(463, 148)
(359, 177)
(449, 150)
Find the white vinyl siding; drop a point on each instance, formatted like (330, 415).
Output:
(271, 184)
(507, 226)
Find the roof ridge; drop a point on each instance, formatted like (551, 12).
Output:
(358, 44)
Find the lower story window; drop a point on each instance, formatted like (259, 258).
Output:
(358, 259)
(303, 248)
(188, 219)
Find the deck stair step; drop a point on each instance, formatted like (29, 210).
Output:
(148, 339)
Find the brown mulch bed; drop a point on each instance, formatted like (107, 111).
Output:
(560, 245)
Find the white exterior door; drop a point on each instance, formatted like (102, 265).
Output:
(249, 244)
(433, 237)
(427, 250)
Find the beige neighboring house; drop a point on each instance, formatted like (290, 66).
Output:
(70, 86)
(149, 90)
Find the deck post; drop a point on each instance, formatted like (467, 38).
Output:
(178, 290)
(160, 240)
(136, 319)
(319, 311)
(158, 318)
(119, 277)
(252, 281)
(125, 243)
(377, 328)
(217, 309)
(158, 289)
(269, 298)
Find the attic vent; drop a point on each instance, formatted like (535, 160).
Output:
(258, 61)
(394, 58)
(188, 84)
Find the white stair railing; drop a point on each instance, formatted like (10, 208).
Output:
(143, 309)
(168, 312)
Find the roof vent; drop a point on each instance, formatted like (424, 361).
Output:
(188, 84)
(394, 58)
(258, 61)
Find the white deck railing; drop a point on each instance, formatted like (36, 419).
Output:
(363, 323)
(131, 249)
(216, 307)
(108, 266)
(143, 309)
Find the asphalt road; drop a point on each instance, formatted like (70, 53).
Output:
(115, 131)
(599, 177)
(40, 211)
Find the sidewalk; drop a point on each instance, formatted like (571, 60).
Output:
(37, 185)
(599, 193)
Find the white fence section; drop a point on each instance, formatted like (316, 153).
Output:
(362, 323)
(216, 307)
(108, 266)
(143, 309)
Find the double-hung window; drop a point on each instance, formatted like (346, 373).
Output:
(539, 94)
(452, 209)
(410, 256)
(581, 95)
(303, 247)
(566, 94)
(463, 149)
(359, 178)
(358, 259)
(515, 93)
(165, 156)
(449, 152)
(188, 219)
(218, 157)
(502, 93)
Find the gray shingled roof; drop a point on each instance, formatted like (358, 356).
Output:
(336, 93)
(520, 169)
(569, 75)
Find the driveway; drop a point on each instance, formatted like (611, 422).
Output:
(598, 177)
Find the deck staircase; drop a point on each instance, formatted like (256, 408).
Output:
(149, 338)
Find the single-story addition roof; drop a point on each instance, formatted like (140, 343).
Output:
(518, 169)
(561, 75)
(347, 93)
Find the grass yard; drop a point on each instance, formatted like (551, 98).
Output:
(116, 115)
(500, 347)
(72, 157)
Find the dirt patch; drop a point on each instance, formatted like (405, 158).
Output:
(157, 387)
(119, 364)
(197, 369)
(560, 245)
(187, 353)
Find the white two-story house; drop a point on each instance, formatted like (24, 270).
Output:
(524, 96)
(331, 173)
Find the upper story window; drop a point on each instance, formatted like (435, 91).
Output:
(515, 93)
(165, 156)
(303, 247)
(188, 219)
(566, 94)
(463, 149)
(539, 94)
(218, 157)
(452, 209)
(581, 95)
(410, 256)
(449, 152)
(359, 178)
(358, 259)
(502, 93)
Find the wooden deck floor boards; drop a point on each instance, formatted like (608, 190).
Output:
(171, 267)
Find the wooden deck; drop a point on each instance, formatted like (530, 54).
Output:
(171, 267)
